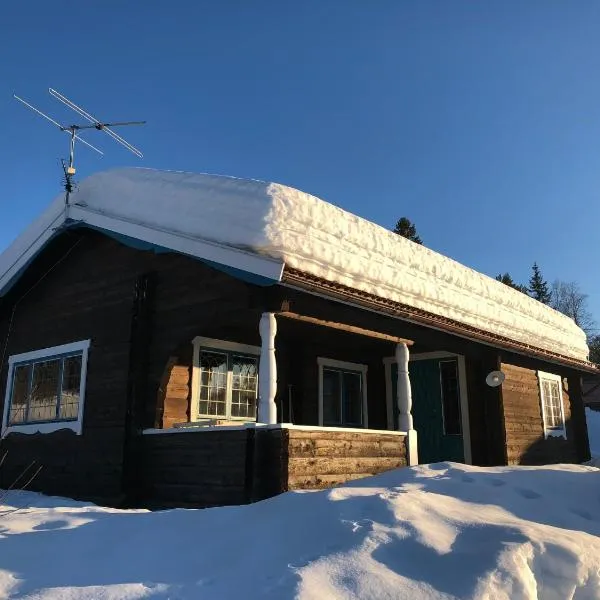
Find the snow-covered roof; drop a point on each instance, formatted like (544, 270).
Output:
(259, 228)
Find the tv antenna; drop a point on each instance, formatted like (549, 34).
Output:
(73, 131)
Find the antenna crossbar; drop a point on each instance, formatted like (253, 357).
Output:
(72, 130)
(97, 123)
(61, 127)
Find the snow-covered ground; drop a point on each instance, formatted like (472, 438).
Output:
(438, 531)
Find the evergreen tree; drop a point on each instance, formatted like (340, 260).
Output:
(406, 229)
(538, 287)
(506, 279)
(594, 345)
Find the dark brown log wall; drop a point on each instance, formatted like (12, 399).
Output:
(524, 426)
(82, 286)
(75, 293)
(199, 468)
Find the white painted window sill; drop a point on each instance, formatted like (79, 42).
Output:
(30, 428)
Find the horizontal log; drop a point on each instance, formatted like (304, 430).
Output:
(516, 413)
(209, 495)
(345, 327)
(311, 482)
(230, 476)
(342, 435)
(333, 466)
(313, 448)
(524, 424)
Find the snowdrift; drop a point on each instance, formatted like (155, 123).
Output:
(441, 531)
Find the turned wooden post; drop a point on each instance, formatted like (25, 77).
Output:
(403, 393)
(267, 372)
(404, 404)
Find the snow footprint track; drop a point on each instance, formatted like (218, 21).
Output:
(528, 494)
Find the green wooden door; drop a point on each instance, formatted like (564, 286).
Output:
(436, 409)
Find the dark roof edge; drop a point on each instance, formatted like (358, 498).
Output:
(337, 291)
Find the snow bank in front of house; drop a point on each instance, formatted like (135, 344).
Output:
(328, 242)
(441, 531)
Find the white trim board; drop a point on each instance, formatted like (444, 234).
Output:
(388, 361)
(75, 425)
(205, 429)
(30, 242)
(33, 239)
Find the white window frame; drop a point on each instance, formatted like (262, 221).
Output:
(554, 431)
(346, 366)
(209, 344)
(15, 360)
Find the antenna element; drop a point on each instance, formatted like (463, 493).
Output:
(72, 130)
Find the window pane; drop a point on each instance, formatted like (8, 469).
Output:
(71, 384)
(332, 414)
(552, 401)
(244, 388)
(352, 398)
(18, 402)
(43, 399)
(450, 397)
(213, 384)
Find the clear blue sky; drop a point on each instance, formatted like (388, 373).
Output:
(480, 121)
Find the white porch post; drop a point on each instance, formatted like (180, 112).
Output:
(267, 372)
(404, 403)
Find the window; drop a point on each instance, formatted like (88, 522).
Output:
(225, 380)
(450, 397)
(552, 404)
(45, 389)
(342, 394)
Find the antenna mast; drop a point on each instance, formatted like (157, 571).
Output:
(73, 131)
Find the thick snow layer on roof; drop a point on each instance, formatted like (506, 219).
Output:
(273, 221)
(436, 532)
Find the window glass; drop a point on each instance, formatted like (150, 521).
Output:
(70, 390)
(552, 400)
(44, 393)
(46, 390)
(228, 385)
(332, 410)
(352, 398)
(244, 386)
(18, 404)
(213, 384)
(342, 397)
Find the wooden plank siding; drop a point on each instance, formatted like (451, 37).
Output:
(523, 422)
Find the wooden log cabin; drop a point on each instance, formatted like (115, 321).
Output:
(172, 339)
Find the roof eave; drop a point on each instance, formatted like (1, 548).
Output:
(301, 280)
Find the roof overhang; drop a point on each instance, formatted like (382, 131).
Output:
(303, 281)
(58, 218)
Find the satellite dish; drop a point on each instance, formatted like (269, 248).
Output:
(495, 378)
